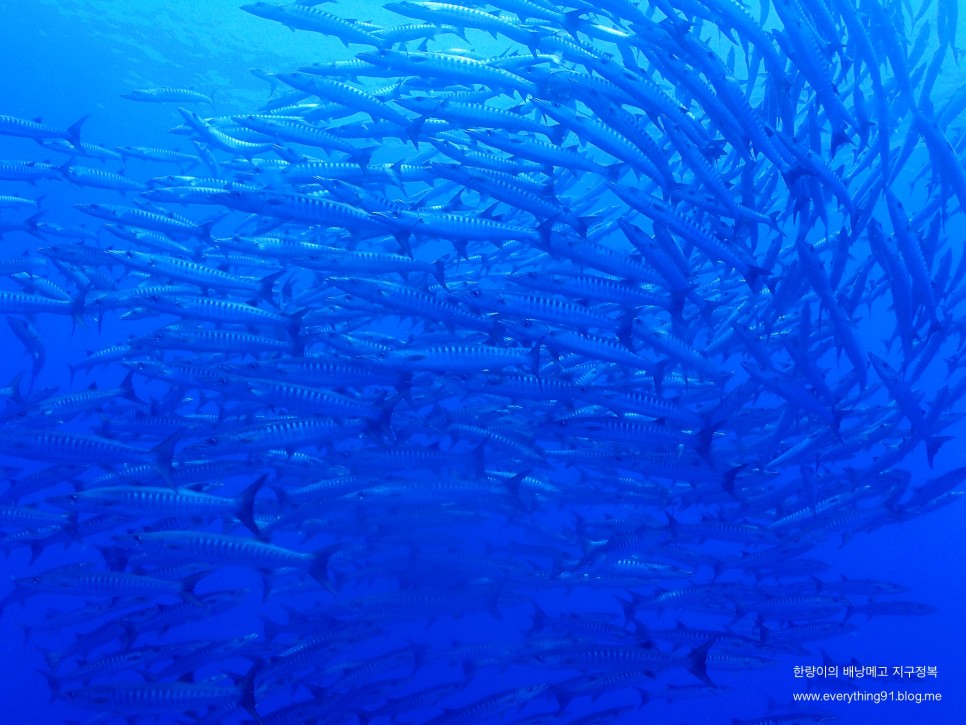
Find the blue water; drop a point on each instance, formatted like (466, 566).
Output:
(64, 60)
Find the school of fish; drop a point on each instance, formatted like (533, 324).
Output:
(558, 344)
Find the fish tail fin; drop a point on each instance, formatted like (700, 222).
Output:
(33, 226)
(295, 329)
(381, 427)
(127, 389)
(77, 306)
(51, 658)
(270, 627)
(839, 137)
(246, 505)
(773, 222)
(439, 272)
(405, 247)
(206, 226)
(513, 489)
(403, 391)
(629, 607)
(613, 172)
(717, 568)
(572, 20)
(539, 622)
(698, 663)
(13, 389)
(557, 134)
(933, 445)
(36, 549)
(53, 682)
(266, 286)
(729, 481)
(413, 130)
(162, 454)
(562, 697)
(188, 588)
(581, 224)
(837, 414)
(73, 133)
(71, 529)
(704, 438)
(246, 700)
(758, 277)
(544, 229)
(362, 156)
(320, 565)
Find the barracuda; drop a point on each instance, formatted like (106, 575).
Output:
(230, 550)
(287, 434)
(147, 501)
(40, 445)
(83, 580)
(344, 95)
(202, 275)
(84, 176)
(502, 371)
(409, 301)
(217, 138)
(13, 126)
(168, 95)
(169, 224)
(303, 17)
(450, 67)
(164, 697)
(298, 208)
(295, 129)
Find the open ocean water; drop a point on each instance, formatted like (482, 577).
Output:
(555, 362)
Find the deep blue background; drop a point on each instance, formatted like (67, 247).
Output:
(62, 60)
